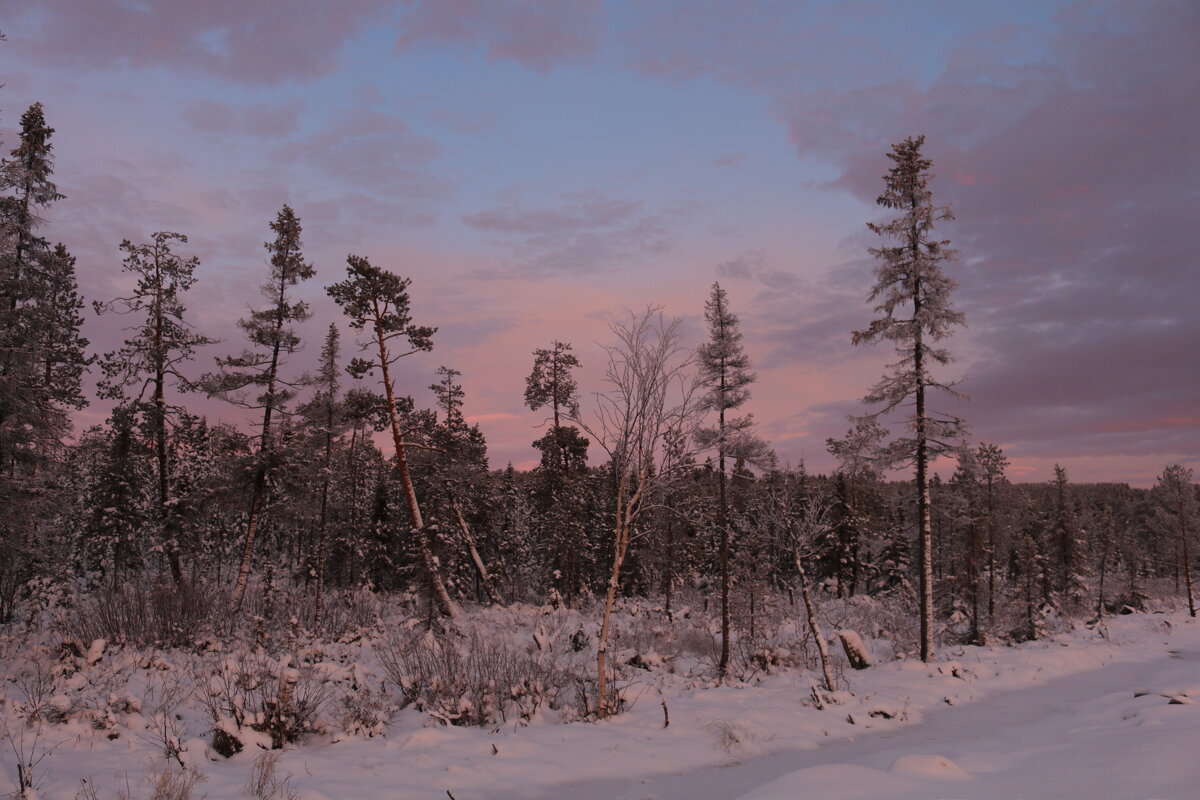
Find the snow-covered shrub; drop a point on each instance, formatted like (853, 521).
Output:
(35, 678)
(471, 679)
(249, 693)
(55, 686)
(143, 614)
(364, 712)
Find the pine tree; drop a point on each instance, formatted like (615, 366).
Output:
(559, 523)
(913, 300)
(271, 331)
(377, 301)
(552, 384)
(153, 354)
(725, 371)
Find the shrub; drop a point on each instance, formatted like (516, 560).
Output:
(141, 614)
(251, 692)
(470, 679)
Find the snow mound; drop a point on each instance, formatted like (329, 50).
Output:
(928, 766)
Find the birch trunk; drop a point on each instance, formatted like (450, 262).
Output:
(814, 627)
(484, 577)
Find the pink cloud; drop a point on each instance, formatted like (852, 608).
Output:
(584, 231)
(273, 120)
(263, 42)
(537, 36)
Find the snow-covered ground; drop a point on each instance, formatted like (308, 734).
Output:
(1083, 715)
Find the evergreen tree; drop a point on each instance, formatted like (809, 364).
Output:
(158, 345)
(324, 414)
(552, 384)
(32, 277)
(858, 457)
(118, 502)
(1179, 496)
(558, 492)
(377, 300)
(913, 300)
(1066, 537)
(992, 463)
(272, 333)
(725, 371)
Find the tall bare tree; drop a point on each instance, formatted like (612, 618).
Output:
(648, 408)
(912, 296)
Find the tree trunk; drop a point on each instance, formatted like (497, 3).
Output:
(723, 521)
(814, 627)
(437, 585)
(923, 511)
(1187, 557)
(169, 530)
(484, 578)
(991, 510)
(610, 599)
(323, 524)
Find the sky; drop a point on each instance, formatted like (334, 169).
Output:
(539, 168)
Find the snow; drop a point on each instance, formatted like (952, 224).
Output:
(1084, 715)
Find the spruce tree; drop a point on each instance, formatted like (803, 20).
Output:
(912, 296)
(1065, 536)
(725, 372)
(32, 278)
(325, 414)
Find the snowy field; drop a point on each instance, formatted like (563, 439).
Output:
(1092, 713)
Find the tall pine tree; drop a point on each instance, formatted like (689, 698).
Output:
(376, 302)
(912, 296)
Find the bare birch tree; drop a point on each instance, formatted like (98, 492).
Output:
(647, 410)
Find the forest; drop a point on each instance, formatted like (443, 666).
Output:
(658, 528)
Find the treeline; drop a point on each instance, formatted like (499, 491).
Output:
(679, 497)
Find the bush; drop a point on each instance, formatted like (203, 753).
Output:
(143, 615)
(470, 679)
(251, 692)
